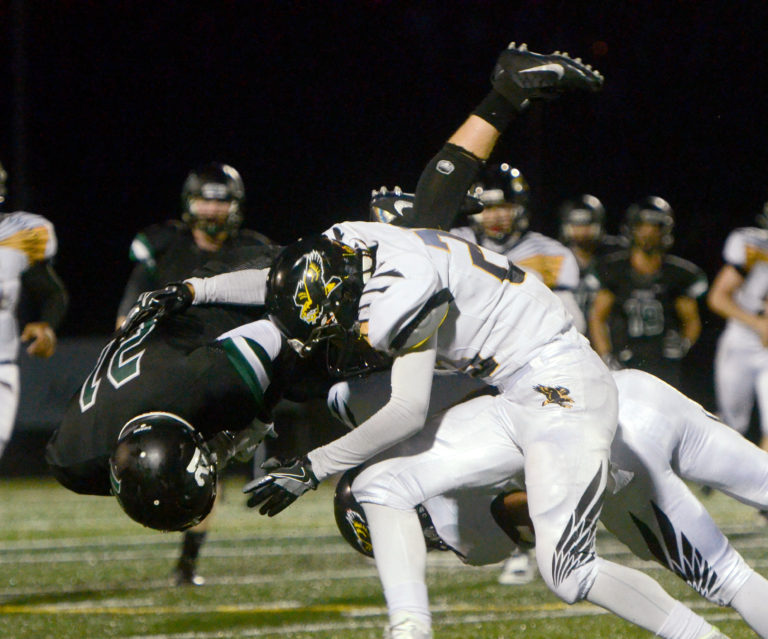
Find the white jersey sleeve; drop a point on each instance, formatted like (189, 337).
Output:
(746, 249)
(248, 286)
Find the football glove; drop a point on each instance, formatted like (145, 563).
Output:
(521, 75)
(172, 298)
(284, 483)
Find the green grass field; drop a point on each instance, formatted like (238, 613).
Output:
(75, 567)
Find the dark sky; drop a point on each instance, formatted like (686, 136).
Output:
(107, 105)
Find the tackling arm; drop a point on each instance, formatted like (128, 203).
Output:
(402, 416)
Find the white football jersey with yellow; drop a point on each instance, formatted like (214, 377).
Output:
(747, 250)
(495, 318)
(25, 238)
(550, 260)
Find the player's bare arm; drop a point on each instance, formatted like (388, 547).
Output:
(598, 322)
(690, 321)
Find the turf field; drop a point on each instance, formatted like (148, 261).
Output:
(76, 567)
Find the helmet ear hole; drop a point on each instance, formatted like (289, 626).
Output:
(163, 474)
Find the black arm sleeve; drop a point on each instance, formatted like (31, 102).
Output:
(46, 291)
(443, 186)
(141, 280)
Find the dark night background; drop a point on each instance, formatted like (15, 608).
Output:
(107, 105)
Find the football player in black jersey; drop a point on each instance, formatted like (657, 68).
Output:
(582, 229)
(212, 200)
(646, 313)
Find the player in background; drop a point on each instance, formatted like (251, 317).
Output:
(582, 229)
(425, 295)
(663, 441)
(739, 293)
(502, 226)
(27, 247)
(646, 313)
(213, 200)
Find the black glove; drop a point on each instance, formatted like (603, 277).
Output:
(172, 298)
(284, 483)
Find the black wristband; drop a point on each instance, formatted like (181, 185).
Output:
(496, 110)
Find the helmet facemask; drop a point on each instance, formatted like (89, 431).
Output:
(504, 194)
(650, 212)
(213, 183)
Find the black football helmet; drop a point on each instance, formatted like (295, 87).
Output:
(219, 182)
(313, 289)
(353, 524)
(585, 210)
(503, 185)
(162, 472)
(3, 187)
(650, 210)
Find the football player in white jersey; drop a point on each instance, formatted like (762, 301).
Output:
(27, 245)
(502, 226)
(427, 297)
(663, 440)
(424, 294)
(739, 294)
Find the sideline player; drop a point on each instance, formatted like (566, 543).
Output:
(739, 294)
(646, 313)
(482, 316)
(663, 440)
(213, 201)
(27, 247)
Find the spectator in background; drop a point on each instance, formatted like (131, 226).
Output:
(27, 247)
(739, 294)
(582, 229)
(646, 313)
(213, 198)
(502, 226)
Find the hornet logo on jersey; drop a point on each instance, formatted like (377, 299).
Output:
(559, 395)
(313, 289)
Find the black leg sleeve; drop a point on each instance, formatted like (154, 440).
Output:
(443, 186)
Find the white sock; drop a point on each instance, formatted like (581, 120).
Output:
(750, 603)
(401, 556)
(683, 623)
(634, 596)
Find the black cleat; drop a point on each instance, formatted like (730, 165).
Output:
(185, 574)
(521, 75)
